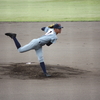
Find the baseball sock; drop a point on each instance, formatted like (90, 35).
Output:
(42, 64)
(16, 43)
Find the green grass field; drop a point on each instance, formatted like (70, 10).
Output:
(49, 10)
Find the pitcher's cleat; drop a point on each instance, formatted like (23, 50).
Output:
(12, 35)
(47, 75)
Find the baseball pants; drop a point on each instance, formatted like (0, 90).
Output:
(34, 44)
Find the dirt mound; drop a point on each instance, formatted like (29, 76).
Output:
(33, 71)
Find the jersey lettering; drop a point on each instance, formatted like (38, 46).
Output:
(49, 32)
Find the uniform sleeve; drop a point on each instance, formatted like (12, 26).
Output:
(53, 40)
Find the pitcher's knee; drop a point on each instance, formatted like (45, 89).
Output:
(20, 51)
(41, 59)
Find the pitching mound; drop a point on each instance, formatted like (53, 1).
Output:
(33, 71)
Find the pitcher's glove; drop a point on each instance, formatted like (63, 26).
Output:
(49, 43)
(51, 26)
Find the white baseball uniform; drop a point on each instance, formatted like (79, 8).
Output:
(37, 44)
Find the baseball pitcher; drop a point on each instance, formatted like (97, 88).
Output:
(49, 38)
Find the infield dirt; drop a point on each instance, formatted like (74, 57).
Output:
(73, 63)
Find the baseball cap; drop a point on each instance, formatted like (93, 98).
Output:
(58, 26)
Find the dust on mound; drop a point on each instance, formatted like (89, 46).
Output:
(24, 71)
(33, 71)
